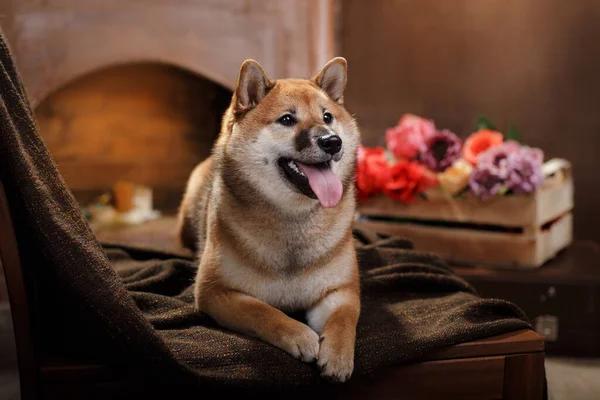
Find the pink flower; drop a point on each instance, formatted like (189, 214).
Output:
(406, 139)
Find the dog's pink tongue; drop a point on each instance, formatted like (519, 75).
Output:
(326, 185)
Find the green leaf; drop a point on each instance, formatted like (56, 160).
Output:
(502, 191)
(485, 123)
(513, 134)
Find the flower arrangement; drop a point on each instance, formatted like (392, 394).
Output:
(418, 158)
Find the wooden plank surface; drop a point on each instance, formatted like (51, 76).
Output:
(157, 234)
(555, 239)
(481, 378)
(471, 246)
(524, 377)
(515, 211)
(475, 378)
(524, 341)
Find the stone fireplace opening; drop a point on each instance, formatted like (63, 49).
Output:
(148, 123)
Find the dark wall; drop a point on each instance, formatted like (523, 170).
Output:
(532, 63)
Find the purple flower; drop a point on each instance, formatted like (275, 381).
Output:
(525, 172)
(441, 150)
(535, 154)
(507, 167)
(496, 158)
(485, 182)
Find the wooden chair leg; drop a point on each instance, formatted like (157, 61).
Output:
(524, 377)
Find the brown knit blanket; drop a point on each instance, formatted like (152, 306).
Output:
(412, 304)
(143, 314)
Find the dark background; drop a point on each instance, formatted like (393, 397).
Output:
(532, 63)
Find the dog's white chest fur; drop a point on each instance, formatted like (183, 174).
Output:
(288, 292)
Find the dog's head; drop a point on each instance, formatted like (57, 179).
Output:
(292, 139)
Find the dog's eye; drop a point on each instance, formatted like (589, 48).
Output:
(327, 117)
(287, 120)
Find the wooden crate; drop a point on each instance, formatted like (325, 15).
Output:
(515, 230)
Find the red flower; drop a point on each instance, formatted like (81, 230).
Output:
(372, 171)
(406, 179)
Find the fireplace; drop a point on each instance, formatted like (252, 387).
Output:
(135, 90)
(147, 123)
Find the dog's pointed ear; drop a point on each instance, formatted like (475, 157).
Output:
(332, 79)
(252, 86)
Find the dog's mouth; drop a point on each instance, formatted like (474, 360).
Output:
(316, 181)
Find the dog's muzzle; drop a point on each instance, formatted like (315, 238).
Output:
(330, 144)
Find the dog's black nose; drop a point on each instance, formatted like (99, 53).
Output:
(330, 144)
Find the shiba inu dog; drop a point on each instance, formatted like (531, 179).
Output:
(270, 215)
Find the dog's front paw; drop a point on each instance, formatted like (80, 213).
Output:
(300, 341)
(336, 360)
